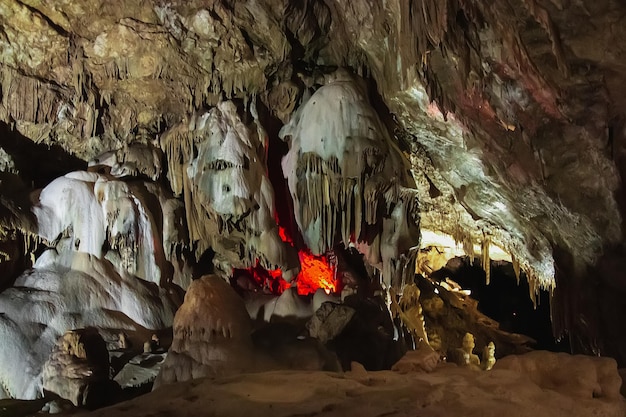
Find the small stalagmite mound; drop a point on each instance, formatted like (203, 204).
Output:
(211, 334)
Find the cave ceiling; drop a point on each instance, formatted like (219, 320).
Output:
(511, 112)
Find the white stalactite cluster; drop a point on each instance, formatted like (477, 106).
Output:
(82, 210)
(218, 164)
(348, 180)
(107, 265)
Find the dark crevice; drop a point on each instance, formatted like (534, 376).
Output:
(37, 164)
(506, 301)
(52, 24)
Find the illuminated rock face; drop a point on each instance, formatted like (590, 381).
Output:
(50, 299)
(218, 164)
(211, 334)
(106, 265)
(82, 211)
(78, 368)
(348, 180)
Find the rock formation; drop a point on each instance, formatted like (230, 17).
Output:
(78, 368)
(349, 181)
(218, 164)
(449, 391)
(104, 262)
(489, 357)
(212, 334)
(144, 144)
(213, 337)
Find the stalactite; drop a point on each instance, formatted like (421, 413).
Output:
(344, 173)
(516, 268)
(29, 99)
(218, 165)
(486, 260)
(533, 289)
(543, 18)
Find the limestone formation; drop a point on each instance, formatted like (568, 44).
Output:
(409, 309)
(104, 252)
(580, 376)
(211, 334)
(226, 182)
(329, 321)
(141, 371)
(50, 299)
(422, 359)
(349, 181)
(134, 160)
(78, 368)
(449, 391)
(122, 341)
(147, 143)
(464, 355)
(489, 357)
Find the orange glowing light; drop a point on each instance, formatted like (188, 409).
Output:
(271, 280)
(315, 273)
(284, 236)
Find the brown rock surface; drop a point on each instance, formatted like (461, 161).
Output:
(211, 334)
(510, 112)
(78, 368)
(448, 391)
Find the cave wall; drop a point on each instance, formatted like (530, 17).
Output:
(510, 111)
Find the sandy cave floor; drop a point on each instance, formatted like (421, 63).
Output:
(449, 391)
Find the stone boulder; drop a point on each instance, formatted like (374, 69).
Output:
(329, 321)
(78, 368)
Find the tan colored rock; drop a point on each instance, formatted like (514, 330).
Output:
(423, 359)
(449, 391)
(578, 376)
(464, 355)
(211, 334)
(489, 357)
(78, 368)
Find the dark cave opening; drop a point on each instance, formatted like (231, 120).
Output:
(37, 163)
(506, 301)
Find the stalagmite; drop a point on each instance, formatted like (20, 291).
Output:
(211, 334)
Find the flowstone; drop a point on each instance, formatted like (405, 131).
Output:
(349, 181)
(218, 164)
(106, 251)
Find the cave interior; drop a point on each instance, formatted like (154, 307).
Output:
(275, 196)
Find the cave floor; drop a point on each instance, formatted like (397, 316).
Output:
(448, 391)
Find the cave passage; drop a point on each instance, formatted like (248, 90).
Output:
(506, 301)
